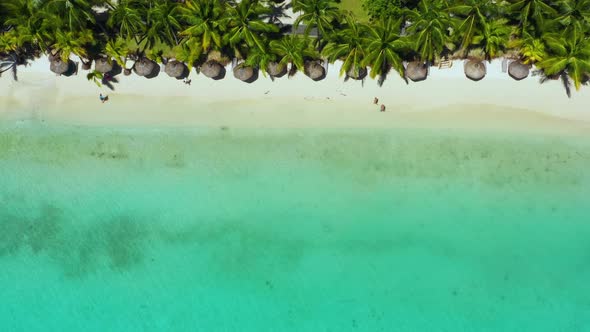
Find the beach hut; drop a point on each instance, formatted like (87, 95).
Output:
(176, 69)
(276, 69)
(518, 70)
(212, 69)
(475, 70)
(357, 73)
(314, 70)
(146, 68)
(244, 73)
(58, 66)
(417, 71)
(103, 65)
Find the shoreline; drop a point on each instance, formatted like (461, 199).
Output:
(445, 100)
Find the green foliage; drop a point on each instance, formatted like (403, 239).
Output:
(378, 9)
(72, 42)
(531, 49)
(95, 77)
(551, 34)
(126, 17)
(261, 58)
(530, 15)
(293, 50)
(321, 14)
(118, 49)
(244, 25)
(385, 47)
(162, 24)
(430, 29)
(567, 53)
(73, 15)
(203, 24)
(472, 17)
(574, 13)
(347, 45)
(493, 38)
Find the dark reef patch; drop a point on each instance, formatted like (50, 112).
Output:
(78, 249)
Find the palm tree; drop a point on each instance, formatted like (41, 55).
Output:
(293, 50)
(95, 77)
(531, 14)
(574, 12)
(162, 23)
(9, 63)
(429, 29)
(126, 16)
(320, 14)
(384, 45)
(189, 53)
(261, 58)
(567, 56)
(472, 16)
(118, 49)
(493, 39)
(27, 18)
(347, 45)
(76, 14)
(244, 24)
(204, 21)
(531, 49)
(72, 42)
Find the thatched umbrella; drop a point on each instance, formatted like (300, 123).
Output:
(86, 64)
(475, 70)
(175, 69)
(357, 73)
(211, 69)
(102, 65)
(417, 71)
(243, 73)
(144, 67)
(58, 66)
(314, 70)
(276, 69)
(518, 70)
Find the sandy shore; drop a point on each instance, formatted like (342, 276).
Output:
(446, 99)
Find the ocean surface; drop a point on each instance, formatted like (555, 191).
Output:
(230, 229)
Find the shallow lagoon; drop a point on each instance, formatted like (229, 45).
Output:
(291, 230)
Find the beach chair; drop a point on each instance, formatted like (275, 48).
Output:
(444, 64)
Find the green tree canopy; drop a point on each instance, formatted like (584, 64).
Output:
(385, 46)
(567, 54)
(429, 29)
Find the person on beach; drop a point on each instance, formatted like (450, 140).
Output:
(375, 100)
(382, 108)
(103, 98)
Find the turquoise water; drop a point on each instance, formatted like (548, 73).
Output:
(294, 230)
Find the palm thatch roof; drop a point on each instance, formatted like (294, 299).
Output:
(518, 70)
(145, 67)
(276, 69)
(357, 73)
(243, 73)
(175, 69)
(475, 70)
(314, 70)
(211, 69)
(103, 65)
(417, 71)
(58, 66)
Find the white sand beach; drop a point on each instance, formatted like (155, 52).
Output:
(446, 99)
